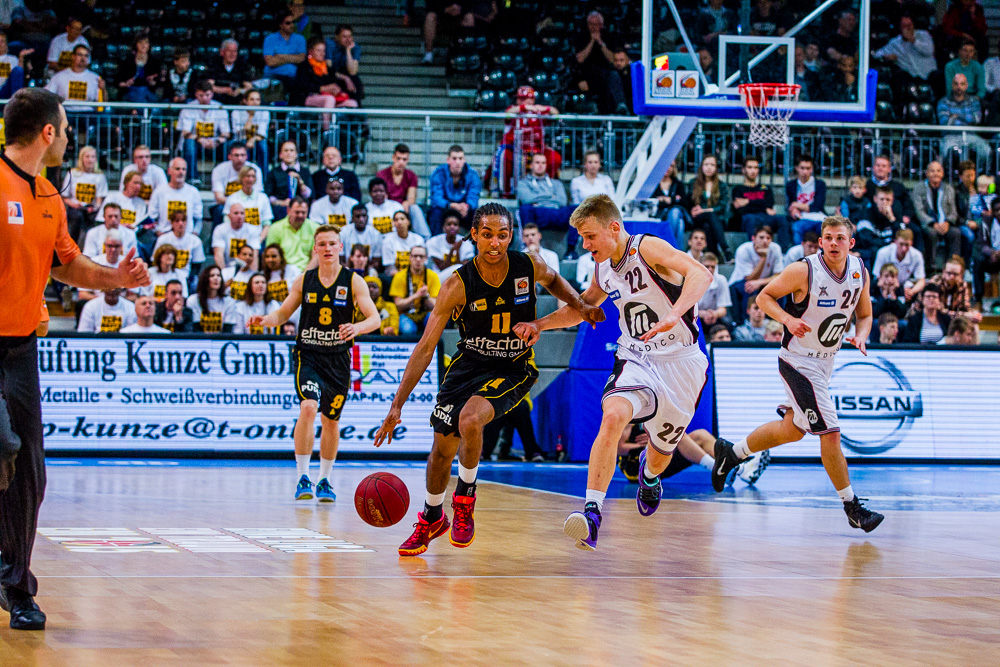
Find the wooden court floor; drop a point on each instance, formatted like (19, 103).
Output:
(203, 565)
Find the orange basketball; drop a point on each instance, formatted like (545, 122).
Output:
(381, 499)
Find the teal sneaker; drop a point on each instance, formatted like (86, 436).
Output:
(304, 491)
(324, 492)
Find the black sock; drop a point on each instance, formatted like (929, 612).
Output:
(432, 514)
(591, 506)
(465, 489)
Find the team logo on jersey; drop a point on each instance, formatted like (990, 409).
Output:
(855, 275)
(15, 213)
(632, 252)
(639, 318)
(826, 303)
(521, 286)
(341, 292)
(518, 300)
(500, 301)
(831, 331)
(823, 291)
(326, 297)
(614, 296)
(478, 306)
(812, 416)
(311, 297)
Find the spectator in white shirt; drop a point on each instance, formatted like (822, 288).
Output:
(236, 276)
(204, 126)
(190, 251)
(111, 246)
(94, 247)
(396, 245)
(145, 307)
(697, 242)
(250, 126)
(62, 46)
(532, 238)
(230, 237)
(162, 272)
(381, 209)
(77, 84)
(279, 273)
(809, 246)
(257, 211)
(907, 260)
(911, 50)
(255, 301)
(714, 304)
(152, 175)
(591, 181)
(448, 251)
(585, 270)
(132, 206)
(210, 301)
(226, 175)
(359, 232)
(757, 263)
(107, 314)
(334, 207)
(12, 68)
(176, 195)
(83, 189)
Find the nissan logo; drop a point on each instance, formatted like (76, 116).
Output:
(875, 391)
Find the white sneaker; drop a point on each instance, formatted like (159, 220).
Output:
(751, 469)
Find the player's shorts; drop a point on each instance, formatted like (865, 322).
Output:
(324, 377)
(664, 391)
(503, 386)
(807, 386)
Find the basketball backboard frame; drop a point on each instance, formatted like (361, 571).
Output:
(717, 103)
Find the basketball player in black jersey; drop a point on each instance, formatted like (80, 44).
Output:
(489, 376)
(328, 295)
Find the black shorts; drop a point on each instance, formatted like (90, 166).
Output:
(629, 464)
(324, 377)
(503, 386)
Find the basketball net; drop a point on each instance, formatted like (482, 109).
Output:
(769, 106)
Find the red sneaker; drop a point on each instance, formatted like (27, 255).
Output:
(422, 535)
(463, 530)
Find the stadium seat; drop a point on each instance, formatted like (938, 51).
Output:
(492, 100)
(507, 61)
(580, 103)
(499, 80)
(552, 63)
(465, 63)
(545, 81)
(884, 112)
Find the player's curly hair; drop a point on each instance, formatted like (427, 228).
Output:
(492, 208)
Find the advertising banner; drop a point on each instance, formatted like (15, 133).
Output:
(895, 403)
(223, 394)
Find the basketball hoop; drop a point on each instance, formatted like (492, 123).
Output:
(769, 106)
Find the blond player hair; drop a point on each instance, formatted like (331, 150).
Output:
(599, 207)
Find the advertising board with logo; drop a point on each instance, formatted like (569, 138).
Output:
(216, 394)
(894, 403)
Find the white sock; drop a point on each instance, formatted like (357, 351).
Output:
(596, 497)
(846, 494)
(468, 475)
(434, 499)
(302, 464)
(648, 475)
(742, 449)
(707, 461)
(325, 466)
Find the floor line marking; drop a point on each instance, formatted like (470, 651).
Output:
(520, 576)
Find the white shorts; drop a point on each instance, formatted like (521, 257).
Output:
(807, 386)
(664, 391)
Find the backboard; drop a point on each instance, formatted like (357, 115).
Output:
(694, 56)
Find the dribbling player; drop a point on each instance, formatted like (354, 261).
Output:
(490, 375)
(328, 296)
(826, 290)
(659, 369)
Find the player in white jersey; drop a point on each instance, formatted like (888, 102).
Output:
(826, 290)
(659, 369)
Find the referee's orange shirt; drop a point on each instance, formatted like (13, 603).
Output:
(33, 239)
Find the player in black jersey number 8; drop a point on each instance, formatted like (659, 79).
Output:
(491, 374)
(328, 296)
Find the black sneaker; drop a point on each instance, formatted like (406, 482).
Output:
(860, 516)
(725, 462)
(24, 613)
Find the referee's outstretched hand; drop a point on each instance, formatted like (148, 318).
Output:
(132, 271)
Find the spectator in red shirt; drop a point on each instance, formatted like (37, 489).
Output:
(526, 118)
(964, 20)
(401, 186)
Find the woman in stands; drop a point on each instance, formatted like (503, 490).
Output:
(321, 86)
(163, 271)
(710, 204)
(83, 191)
(278, 272)
(209, 304)
(250, 126)
(139, 73)
(671, 195)
(256, 301)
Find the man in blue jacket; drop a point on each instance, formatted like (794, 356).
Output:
(456, 186)
(806, 197)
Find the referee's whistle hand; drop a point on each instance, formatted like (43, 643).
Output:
(133, 272)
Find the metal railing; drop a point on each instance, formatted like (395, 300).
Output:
(366, 138)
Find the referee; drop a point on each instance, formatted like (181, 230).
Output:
(34, 243)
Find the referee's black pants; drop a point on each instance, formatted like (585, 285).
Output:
(20, 502)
